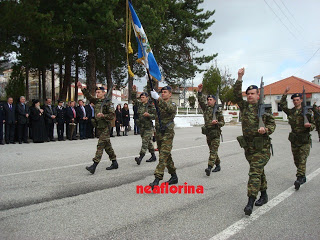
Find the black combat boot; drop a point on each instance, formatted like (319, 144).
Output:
(92, 168)
(249, 207)
(304, 179)
(155, 183)
(208, 170)
(139, 159)
(217, 168)
(173, 179)
(298, 182)
(114, 165)
(153, 158)
(263, 199)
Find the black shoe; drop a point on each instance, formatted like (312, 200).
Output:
(153, 158)
(52, 140)
(20, 142)
(13, 142)
(92, 168)
(208, 170)
(1, 143)
(26, 142)
(173, 179)
(249, 207)
(114, 165)
(154, 183)
(217, 168)
(111, 136)
(139, 159)
(298, 182)
(304, 179)
(263, 199)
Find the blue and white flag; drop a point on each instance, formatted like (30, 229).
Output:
(145, 55)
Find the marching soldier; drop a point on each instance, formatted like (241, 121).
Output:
(164, 135)
(212, 129)
(146, 113)
(299, 136)
(255, 141)
(102, 123)
(316, 111)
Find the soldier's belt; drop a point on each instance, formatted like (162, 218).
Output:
(258, 143)
(299, 138)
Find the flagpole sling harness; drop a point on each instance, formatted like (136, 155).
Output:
(143, 59)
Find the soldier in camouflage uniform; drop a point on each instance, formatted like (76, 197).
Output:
(255, 141)
(212, 129)
(146, 113)
(102, 124)
(164, 136)
(316, 111)
(300, 136)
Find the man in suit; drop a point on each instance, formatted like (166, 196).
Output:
(71, 117)
(82, 119)
(1, 123)
(22, 111)
(49, 116)
(10, 120)
(60, 120)
(90, 114)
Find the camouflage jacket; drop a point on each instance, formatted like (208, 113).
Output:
(167, 111)
(249, 114)
(108, 110)
(144, 122)
(208, 114)
(316, 112)
(295, 117)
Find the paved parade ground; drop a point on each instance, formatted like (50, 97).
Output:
(46, 193)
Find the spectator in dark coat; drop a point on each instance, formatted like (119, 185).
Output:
(10, 120)
(71, 121)
(1, 123)
(135, 118)
(50, 115)
(60, 120)
(125, 118)
(118, 119)
(90, 114)
(22, 111)
(39, 134)
(82, 119)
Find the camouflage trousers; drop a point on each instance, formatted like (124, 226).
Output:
(213, 144)
(164, 142)
(104, 144)
(257, 160)
(146, 137)
(300, 155)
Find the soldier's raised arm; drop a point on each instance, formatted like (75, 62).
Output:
(237, 89)
(283, 101)
(86, 93)
(201, 99)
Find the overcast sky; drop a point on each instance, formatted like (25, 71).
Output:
(250, 34)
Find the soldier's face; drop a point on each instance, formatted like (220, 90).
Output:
(100, 94)
(297, 101)
(144, 99)
(166, 94)
(253, 96)
(211, 102)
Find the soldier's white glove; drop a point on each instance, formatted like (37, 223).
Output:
(154, 94)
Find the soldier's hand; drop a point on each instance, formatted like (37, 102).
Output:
(240, 73)
(286, 90)
(79, 85)
(200, 86)
(262, 130)
(214, 122)
(134, 88)
(307, 125)
(100, 115)
(154, 95)
(146, 114)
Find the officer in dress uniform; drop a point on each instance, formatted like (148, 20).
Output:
(60, 120)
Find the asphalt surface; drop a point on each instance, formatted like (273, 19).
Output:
(46, 193)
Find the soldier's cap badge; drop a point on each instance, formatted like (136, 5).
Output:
(296, 95)
(251, 87)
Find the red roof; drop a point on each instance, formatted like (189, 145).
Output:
(317, 76)
(296, 85)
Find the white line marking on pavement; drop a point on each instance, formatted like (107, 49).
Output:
(81, 164)
(244, 222)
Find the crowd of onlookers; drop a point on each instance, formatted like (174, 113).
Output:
(22, 121)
